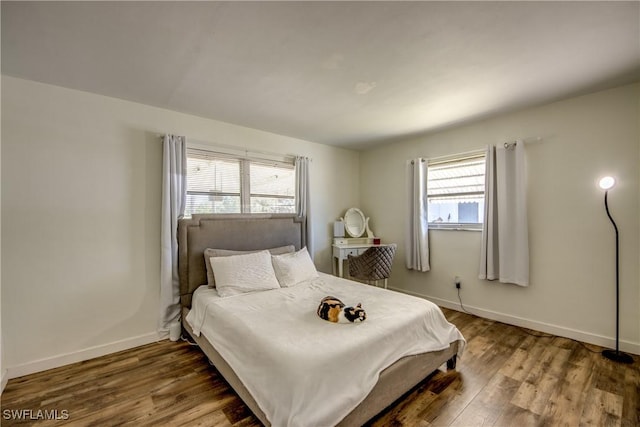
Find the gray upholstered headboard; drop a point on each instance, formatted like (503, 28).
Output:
(234, 232)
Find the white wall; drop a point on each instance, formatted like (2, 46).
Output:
(81, 186)
(572, 290)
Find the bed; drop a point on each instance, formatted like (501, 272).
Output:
(208, 321)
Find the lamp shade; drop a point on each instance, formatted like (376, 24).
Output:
(607, 182)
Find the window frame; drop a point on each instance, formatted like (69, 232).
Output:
(455, 158)
(244, 160)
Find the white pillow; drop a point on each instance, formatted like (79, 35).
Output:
(294, 268)
(240, 274)
(208, 253)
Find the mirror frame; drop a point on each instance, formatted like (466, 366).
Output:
(357, 215)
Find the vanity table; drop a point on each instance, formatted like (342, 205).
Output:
(355, 225)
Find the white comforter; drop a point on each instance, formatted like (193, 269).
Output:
(305, 371)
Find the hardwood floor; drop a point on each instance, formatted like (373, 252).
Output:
(506, 377)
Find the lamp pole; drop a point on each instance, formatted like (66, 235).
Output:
(616, 355)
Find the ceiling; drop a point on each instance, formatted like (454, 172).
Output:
(348, 74)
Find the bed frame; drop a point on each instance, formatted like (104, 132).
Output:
(256, 231)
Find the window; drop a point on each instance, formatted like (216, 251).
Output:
(222, 183)
(455, 191)
(272, 188)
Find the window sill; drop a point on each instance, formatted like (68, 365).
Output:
(456, 227)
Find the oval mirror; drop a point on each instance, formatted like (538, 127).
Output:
(354, 222)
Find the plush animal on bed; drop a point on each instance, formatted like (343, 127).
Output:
(334, 310)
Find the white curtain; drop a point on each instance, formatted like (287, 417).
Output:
(174, 194)
(417, 241)
(504, 254)
(303, 199)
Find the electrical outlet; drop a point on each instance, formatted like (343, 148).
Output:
(457, 282)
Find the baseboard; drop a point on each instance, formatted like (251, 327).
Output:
(4, 378)
(587, 337)
(79, 356)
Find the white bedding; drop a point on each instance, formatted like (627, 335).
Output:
(305, 371)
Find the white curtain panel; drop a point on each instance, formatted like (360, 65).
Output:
(417, 241)
(489, 266)
(174, 194)
(303, 197)
(505, 239)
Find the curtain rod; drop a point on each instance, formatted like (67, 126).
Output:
(477, 152)
(212, 146)
(510, 144)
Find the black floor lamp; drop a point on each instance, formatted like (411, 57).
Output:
(616, 355)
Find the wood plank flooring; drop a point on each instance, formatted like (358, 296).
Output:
(506, 377)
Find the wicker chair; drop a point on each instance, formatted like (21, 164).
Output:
(373, 264)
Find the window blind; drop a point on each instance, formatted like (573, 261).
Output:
(213, 183)
(457, 180)
(224, 183)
